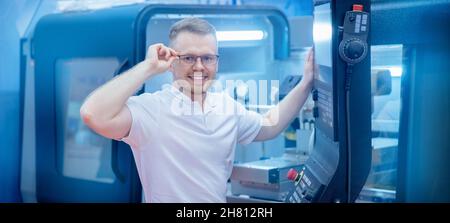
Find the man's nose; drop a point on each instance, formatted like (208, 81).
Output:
(198, 65)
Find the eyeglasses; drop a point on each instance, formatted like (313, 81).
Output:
(208, 59)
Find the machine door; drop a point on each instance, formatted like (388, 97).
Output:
(75, 53)
(246, 36)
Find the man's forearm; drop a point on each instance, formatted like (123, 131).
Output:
(107, 101)
(279, 117)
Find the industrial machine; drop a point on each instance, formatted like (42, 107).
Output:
(339, 163)
(336, 164)
(334, 149)
(266, 179)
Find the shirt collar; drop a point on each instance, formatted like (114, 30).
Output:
(210, 102)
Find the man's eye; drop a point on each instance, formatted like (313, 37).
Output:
(207, 59)
(189, 58)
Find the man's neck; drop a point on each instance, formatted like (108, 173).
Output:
(199, 98)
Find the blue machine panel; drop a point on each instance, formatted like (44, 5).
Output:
(74, 54)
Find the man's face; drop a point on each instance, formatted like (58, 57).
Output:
(194, 66)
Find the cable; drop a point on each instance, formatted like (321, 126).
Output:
(348, 75)
(353, 48)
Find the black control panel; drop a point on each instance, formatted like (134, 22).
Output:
(307, 188)
(339, 163)
(353, 47)
(324, 102)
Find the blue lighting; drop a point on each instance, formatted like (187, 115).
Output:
(240, 35)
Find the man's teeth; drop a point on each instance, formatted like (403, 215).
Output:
(198, 77)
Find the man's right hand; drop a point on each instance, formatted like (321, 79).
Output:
(159, 58)
(104, 111)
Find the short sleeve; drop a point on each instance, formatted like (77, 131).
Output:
(249, 124)
(144, 111)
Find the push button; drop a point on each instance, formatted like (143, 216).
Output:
(315, 112)
(315, 95)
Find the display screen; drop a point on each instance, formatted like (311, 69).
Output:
(323, 79)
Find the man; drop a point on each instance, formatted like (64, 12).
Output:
(184, 156)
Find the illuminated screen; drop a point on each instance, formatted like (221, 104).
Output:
(323, 79)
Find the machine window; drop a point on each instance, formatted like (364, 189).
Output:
(386, 82)
(81, 153)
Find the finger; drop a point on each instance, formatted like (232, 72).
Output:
(157, 47)
(310, 55)
(173, 52)
(161, 51)
(171, 59)
(152, 51)
(167, 51)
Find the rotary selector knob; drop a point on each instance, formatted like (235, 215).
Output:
(353, 50)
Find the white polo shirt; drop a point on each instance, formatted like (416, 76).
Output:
(183, 154)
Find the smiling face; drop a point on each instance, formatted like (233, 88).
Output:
(194, 67)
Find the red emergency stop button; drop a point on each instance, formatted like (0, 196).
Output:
(358, 8)
(292, 174)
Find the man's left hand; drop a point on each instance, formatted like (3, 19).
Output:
(309, 69)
